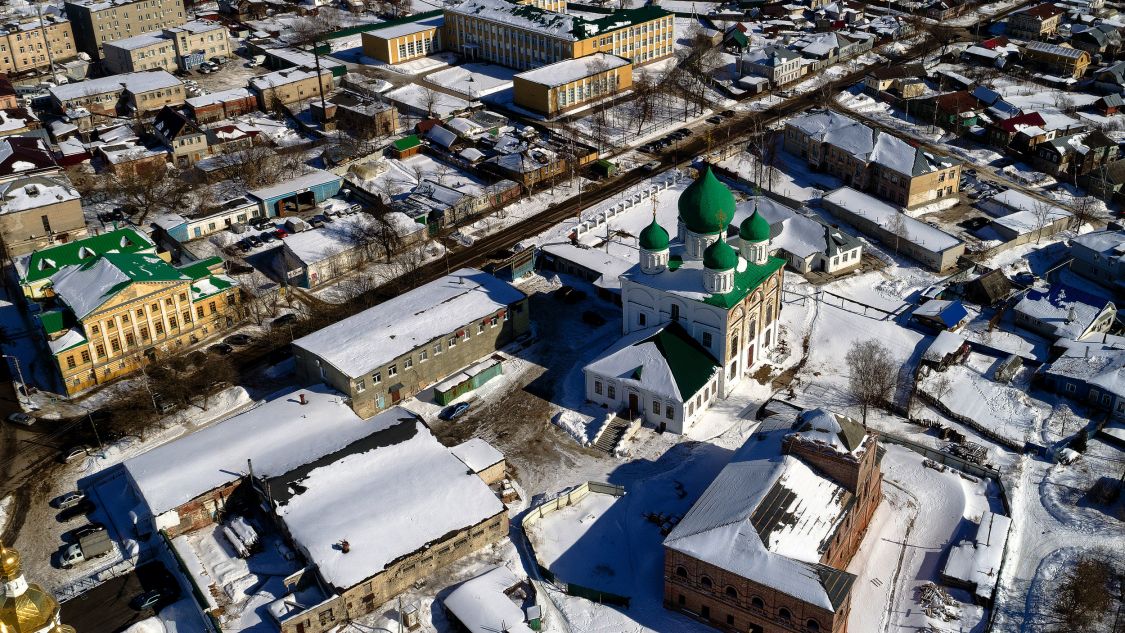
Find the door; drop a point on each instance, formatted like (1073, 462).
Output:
(633, 404)
(750, 357)
(396, 396)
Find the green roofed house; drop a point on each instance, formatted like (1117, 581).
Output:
(407, 146)
(656, 370)
(722, 291)
(107, 313)
(35, 269)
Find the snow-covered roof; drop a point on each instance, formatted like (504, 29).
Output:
(477, 454)
(277, 436)
(868, 144)
(424, 494)
(408, 28)
(214, 98)
(945, 344)
(1108, 244)
(1069, 311)
(883, 214)
(380, 334)
(133, 82)
(311, 179)
(329, 240)
(441, 136)
(32, 192)
(977, 561)
(835, 430)
(1104, 368)
(794, 232)
(481, 605)
(284, 77)
(595, 260)
(568, 70)
(1025, 222)
(664, 361)
(143, 40)
(767, 517)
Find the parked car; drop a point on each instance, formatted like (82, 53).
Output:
(70, 499)
(237, 339)
(162, 405)
(652, 165)
(714, 120)
(21, 418)
(285, 319)
(317, 221)
(254, 240)
(268, 237)
(222, 349)
(86, 530)
(82, 508)
(454, 411)
(281, 233)
(72, 453)
(726, 114)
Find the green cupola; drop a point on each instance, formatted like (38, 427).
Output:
(706, 206)
(754, 228)
(654, 237)
(720, 256)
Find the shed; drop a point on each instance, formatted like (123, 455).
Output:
(946, 349)
(481, 458)
(407, 146)
(989, 289)
(941, 314)
(467, 380)
(297, 194)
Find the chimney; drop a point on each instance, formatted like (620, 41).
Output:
(345, 547)
(302, 397)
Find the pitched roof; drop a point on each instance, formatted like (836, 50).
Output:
(664, 360)
(23, 154)
(1016, 123)
(898, 71)
(1042, 11)
(43, 263)
(88, 286)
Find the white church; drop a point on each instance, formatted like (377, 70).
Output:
(699, 312)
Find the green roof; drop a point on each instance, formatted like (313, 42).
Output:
(206, 287)
(201, 268)
(720, 256)
(706, 205)
(653, 237)
(745, 282)
(618, 19)
(53, 321)
(691, 364)
(407, 142)
(46, 262)
(754, 228)
(739, 38)
(144, 267)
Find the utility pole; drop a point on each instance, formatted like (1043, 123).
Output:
(46, 41)
(23, 384)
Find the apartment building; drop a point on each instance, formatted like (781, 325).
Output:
(37, 211)
(114, 311)
(289, 86)
(869, 160)
(525, 36)
(402, 41)
(1061, 59)
(143, 92)
(97, 22)
(572, 83)
(1035, 22)
(33, 44)
(180, 48)
(396, 349)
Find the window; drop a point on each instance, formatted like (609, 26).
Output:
(706, 582)
(757, 603)
(130, 340)
(1070, 387)
(656, 407)
(211, 307)
(705, 612)
(675, 312)
(85, 356)
(681, 600)
(99, 350)
(641, 319)
(480, 329)
(172, 322)
(156, 307)
(360, 385)
(392, 370)
(731, 593)
(115, 345)
(125, 317)
(408, 363)
(168, 301)
(494, 321)
(784, 614)
(422, 356)
(95, 329)
(730, 620)
(812, 625)
(199, 312)
(140, 313)
(453, 341)
(611, 391)
(707, 340)
(437, 348)
(187, 316)
(159, 328)
(70, 364)
(598, 387)
(376, 378)
(669, 412)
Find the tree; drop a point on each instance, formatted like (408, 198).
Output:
(1042, 210)
(1088, 210)
(310, 31)
(872, 374)
(376, 233)
(940, 387)
(148, 189)
(259, 297)
(429, 101)
(1079, 442)
(897, 227)
(1085, 597)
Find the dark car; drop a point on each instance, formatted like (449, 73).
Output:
(453, 412)
(21, 418)
(72, 453)
(81, 508)
(222, 349)
(593, 318)
(254, 240)
(316, 221)
(285, 319)
(258, 222)
(714, 120)
(161, 404)
(237, 339)
(727, 113)
(243, 245)
(268, 237)
(89, 528)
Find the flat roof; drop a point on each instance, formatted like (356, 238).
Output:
(407, 28)
(370, 339)
(133, 82)
(568, 70)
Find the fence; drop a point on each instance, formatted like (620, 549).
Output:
(1016, 446)
(602, 217)
(571, 497)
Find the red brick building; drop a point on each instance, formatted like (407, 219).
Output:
(764, 548)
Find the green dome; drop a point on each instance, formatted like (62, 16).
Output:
(720, 256)
(754, 228)
(706, 206)
(654, 237)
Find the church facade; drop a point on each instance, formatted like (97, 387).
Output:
(720, 289)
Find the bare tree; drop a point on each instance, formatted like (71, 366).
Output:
(1088, 210)
(940, 387)
(259, 297)
(310, 31)
(148, 189)
(1042, 210)
(1086, 598)
(376, 234)
(872, 374)
(897, 227)
(429, 100)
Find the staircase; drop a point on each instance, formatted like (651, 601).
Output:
(611, 435)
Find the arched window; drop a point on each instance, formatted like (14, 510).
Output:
(812, 625)
(706, 582)
(784, 614)
(732, 593)
(757, 603)
(734, 342)
(681, 572)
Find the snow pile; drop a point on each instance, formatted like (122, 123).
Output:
(999, 408)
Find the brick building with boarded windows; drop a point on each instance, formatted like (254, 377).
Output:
(764, 548)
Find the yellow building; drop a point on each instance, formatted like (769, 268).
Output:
(33, 44)
(179, 48)
(558, 6)
(572, 83)
(119, 310)
(401, 42)
(1060, 59)
(289, 86)
(525, 36)
(24, 606)
(96, 23)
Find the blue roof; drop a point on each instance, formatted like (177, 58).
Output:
(949, 313)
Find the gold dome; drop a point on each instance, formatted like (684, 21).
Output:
(33, 609)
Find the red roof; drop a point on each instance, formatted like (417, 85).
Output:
(1009, 125)
(1043, 11)
(994, 42)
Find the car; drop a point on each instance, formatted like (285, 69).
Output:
(285, 319)
(714, 120)
(237, 339)
(593, 318)
(685, 131)
(206, 70)
(243, 246)
(454, 411)
(162, 405)
(89, 528)
(82, 508)
(253, 240)
(70, 499)
(72, 453)
(258, 222)
(652, 165)
(267, 238)
(317, 221)
(222, 349)
(726, 114)
(218, 61)
(281, 233)
(147, 600)
(21, 418)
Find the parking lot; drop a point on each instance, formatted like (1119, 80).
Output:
(107, 608)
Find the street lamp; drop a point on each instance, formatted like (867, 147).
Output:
(23, 384)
